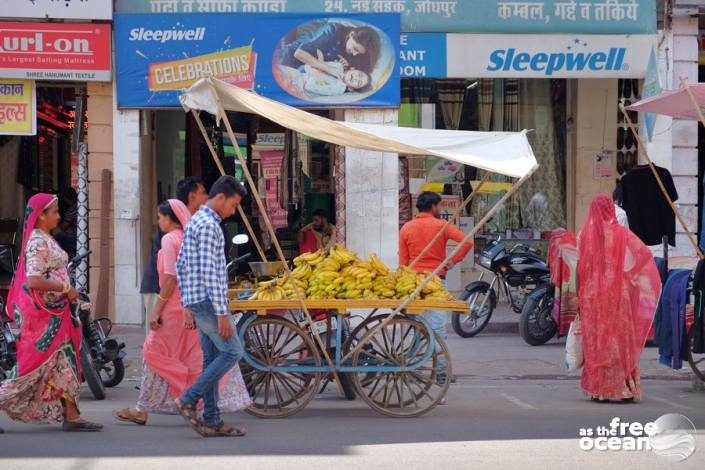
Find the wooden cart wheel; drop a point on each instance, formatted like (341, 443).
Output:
(270, 342)
(361, 330)
(697, 361)
(402, 343)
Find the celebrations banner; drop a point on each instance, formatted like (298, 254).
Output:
(18, 107)
(298, 59)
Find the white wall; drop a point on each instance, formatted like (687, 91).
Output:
(127, 196)
(372, 194)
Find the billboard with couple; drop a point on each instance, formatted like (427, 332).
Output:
(301, 60)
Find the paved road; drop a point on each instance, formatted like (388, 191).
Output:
(498, 415)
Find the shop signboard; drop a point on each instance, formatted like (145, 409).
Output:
(652, 87)
(55, 51)
(58, 9)
(271, 173)
(158, 55)
(440, 170)
(548, 56)
(18, 107)
(422, 55)
(440, 16)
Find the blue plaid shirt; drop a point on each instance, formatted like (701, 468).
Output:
(200, 268)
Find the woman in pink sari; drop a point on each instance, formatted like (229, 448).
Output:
(173, 359)
(45, 383)
(619, 287)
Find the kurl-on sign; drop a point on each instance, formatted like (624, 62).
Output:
(549, 56)
(51, 51)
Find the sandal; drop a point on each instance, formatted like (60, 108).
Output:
(189, 413)
(127, 416)
(77, 426)
(223, 430)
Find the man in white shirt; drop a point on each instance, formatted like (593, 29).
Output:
(621, 214)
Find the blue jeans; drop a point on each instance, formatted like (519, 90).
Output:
(438, 320)
(219, 356)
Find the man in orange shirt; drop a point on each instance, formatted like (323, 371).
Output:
(415, 235)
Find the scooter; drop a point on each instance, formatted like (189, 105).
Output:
(515, 273)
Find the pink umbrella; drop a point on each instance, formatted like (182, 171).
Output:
(685, 103)
(682, 103)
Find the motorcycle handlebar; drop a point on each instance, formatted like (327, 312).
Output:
(79, 258)
(242, 258)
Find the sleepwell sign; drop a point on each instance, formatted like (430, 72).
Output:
(549, 56)
(301, 60)
(52, 51)
(440, 16)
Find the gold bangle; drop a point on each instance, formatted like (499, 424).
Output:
(65, 287)
(161, 298)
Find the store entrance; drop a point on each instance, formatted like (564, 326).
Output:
(42, 163)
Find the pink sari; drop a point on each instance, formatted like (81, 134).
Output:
(619, 290)
(172, 354)
(172, 351)
(47, 367)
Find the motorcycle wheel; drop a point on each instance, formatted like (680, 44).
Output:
(468, 326)
(90, 373)
(347, 385)
(113, 373)
(536, 323)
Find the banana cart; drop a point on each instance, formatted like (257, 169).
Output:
(392, 358)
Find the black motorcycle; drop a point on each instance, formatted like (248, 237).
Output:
(536, 323)
(8, 348)
(515, 274)
(101, 357)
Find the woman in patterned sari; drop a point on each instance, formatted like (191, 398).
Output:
(173, 359)
(619, 288)
(45, 383)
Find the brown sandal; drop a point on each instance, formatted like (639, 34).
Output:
(189, 413)
(127, 416)
(223, 430)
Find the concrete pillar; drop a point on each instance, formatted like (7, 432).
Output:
(372, 193)
(684, 165)
(100, 156)
(127, 202)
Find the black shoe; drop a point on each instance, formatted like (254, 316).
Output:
(620, 162)
(620, 137)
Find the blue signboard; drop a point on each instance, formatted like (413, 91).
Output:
(298, 59)
(443, 16)
(423, 55)
(652, 87)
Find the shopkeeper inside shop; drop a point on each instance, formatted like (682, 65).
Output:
(324, 233)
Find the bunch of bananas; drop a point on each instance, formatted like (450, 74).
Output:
(271, 292)
(324, 285)
(302, 271)
(342, 255)
(405, 285)
(361, 270)
(385, 286)
(377, 263)
(289, 288)
(311, 258)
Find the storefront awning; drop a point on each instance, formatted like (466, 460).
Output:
(507, 153)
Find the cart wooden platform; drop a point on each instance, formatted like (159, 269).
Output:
(395, 370)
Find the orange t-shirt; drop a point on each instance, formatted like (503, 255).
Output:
(416, 234)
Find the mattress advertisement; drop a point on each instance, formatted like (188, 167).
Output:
(298, 59)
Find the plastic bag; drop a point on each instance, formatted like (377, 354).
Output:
(574, 359)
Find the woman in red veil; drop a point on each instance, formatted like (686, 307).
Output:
(44, 385)
(618, 294)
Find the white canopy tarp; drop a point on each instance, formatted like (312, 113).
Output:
(507, 153)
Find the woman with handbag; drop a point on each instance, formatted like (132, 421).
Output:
(619, 288)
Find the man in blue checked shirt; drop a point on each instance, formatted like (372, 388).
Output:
(203, 281)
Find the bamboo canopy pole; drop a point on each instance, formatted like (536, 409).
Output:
(221, 114)
(658, 179)
(222, 172)
(428, 279)
(450, 221)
